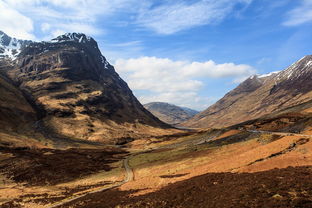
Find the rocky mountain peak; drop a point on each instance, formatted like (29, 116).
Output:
(299, 68)
(4, 39)
(250, 84)
(74, 37)
(10, 47)
(80, 37)
(71, 50)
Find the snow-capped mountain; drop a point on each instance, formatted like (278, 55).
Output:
(260, 95)
(80, 38)
(300, 68)
(72, 88)
(76, 37)
(11, 47)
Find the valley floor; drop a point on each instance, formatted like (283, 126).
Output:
(211, 168)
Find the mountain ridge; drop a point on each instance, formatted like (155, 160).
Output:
(258, 96)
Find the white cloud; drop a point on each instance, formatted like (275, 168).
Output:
(173, 17)
(177, 82)
(14, 23)
(213, 70)
(53, 16)
(166, 17)
(300, 15)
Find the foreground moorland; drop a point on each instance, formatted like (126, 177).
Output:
(211, 168)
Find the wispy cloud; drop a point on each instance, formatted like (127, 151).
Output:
(122, 50)
(300, 15)
(173, 17)
(54, 16)
(127, 44)
(164, 17)
(176, 81)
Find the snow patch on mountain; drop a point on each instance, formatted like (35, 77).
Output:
(104, 62)
(299, 68)
(9, 47)
(76, 37)
(267, 75)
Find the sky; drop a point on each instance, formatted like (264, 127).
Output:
(185, 52)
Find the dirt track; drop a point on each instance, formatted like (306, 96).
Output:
(128, 172)
(280, 133)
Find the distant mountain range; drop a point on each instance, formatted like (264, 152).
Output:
(258, 96)
(170, 113)
(65, 88)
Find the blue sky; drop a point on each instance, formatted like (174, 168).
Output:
(186, 52)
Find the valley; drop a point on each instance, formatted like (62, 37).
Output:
(139, 175)
(72, 134)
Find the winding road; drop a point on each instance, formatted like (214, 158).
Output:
(279, 133)
(128, 170)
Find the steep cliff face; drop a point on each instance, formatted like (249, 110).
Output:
(17, 116)
(78, 93)
(15, 111)
(259, 95)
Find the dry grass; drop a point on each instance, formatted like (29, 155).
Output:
(29, 194)
(190, 161)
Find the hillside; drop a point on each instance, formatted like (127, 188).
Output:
(258, 96)
(17, 116)
(68, 90)
(169, 113)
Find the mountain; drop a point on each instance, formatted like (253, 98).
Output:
(17, 116)
(258, 96)
(65, 88)
(190, 111)
(169, 113)
(11, 47)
